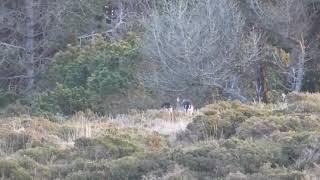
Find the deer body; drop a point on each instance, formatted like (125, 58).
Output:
(185, 105)
(167, 106)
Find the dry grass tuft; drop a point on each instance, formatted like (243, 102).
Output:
(304, 102)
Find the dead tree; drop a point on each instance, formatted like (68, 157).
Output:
(194, 43)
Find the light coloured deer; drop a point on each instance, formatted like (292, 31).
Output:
(169, 108)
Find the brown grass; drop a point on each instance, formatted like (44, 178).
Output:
(150, 125)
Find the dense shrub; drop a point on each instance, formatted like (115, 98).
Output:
(303, 103)
(106, 147)
(64, 100)
(257, 141)
(232, 155)
(36, 170)
(311, 81)
(267, 172)
(43, 155)
(13, 142)
(83, 77)
(135, 167)
(88, 175)
(220, 120)
(261, 127)
(129, 167)
(6, 98)
(226, 140)
(11, 170)
(80, 168)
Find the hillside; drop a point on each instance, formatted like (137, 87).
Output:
(225, 140)
(82, 84)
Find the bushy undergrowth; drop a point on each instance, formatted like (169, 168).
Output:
(226, 140)
(85, 146)
(258, 141)
(304, 103)
(89, 77)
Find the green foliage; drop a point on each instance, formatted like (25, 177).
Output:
(254, 141)
(83, 77)
(135, 167)
(106, 147)
(43, 155)
(221, 119)
(258, 141)
(76, 65)
(303, 103)
(7, 98)
(39, 171)
(105, 81)
(128, 167)
(13, 142)
(11, 170)
(231, 155)
(259, 127)
(279, 173)
(311, 81)
(81, 169)
(64, 100)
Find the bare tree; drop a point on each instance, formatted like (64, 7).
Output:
(31, 31)
(194, 43)
(122, 16)
(254, 60)
(289, 20)
(25, 31)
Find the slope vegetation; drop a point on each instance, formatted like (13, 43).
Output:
(225, 140)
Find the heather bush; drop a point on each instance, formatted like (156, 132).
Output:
(13, 142)
(106, 147)
(9, 169)
(303, 103)
(135, 167)
(225, 140)
(221, 120)
(260, 127)
(36, 170)
(44, 155)
(218, 160)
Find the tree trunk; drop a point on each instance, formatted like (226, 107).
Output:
(300, 68)
(262, 84)
(29, 41)
(297, 61)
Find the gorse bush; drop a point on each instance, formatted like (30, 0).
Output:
(64, 100)
(82, 77)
